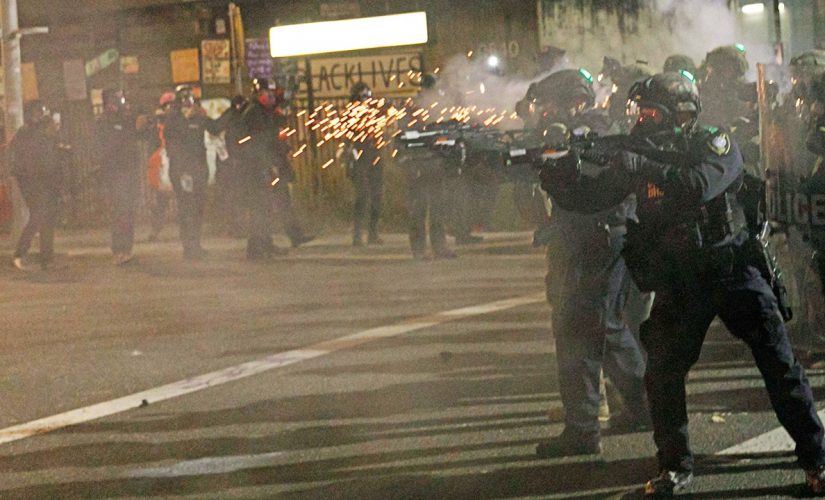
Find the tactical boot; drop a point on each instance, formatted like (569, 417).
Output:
(815, 480)
(569, 443)
(667, 483)
(444, 253)
(628, 423)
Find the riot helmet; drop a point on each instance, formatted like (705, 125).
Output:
(35, 112)
(679, 62)
(238, 103)
(360, 92)
(428, 81)
(185, 96)
(166, 99)
(806, 68)
(561, 96)
(113, 100)
(264, 90)
(664, 102)
(727, 62)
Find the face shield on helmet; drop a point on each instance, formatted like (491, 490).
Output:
(264, 91)
(725, 66)
(663, 103)
(185, 96)
(805, 68)
(560, 96)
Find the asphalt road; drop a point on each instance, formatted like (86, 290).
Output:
(330, 373)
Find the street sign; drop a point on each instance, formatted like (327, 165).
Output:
(215, 61)
(101, 62)
(387, 74)
(258, 58)
(185, 66)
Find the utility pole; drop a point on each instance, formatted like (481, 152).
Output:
(13, 98)
(779, 49)
(13, 83)
(237, 37)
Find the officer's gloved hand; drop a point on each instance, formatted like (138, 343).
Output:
(631, 163)
(560, 172)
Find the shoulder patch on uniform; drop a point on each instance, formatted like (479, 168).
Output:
(719, 143)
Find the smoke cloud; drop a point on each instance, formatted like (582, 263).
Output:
(588, 31)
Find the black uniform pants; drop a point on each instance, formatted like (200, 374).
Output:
(284, 210)
(124, 188)
(43, 206)
(190, 193)
(368, 181)
(259, 202)
(160, 206)
(460, 202)
(425, 195)
(673, 337)
(591, 334)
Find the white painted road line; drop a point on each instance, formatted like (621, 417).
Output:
(777, 440)
(209, 465)
(245, 370)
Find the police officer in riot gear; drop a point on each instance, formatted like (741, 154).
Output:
(588, 286)
(425, 172)
(117, 150)
(34, 165)
(184, 132)
(691, 245)
(728, 97)
(366, 172)
(815, 184)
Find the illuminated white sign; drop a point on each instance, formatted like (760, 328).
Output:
(759, 8)
(349, 34)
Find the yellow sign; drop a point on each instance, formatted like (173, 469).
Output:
(29, 75)
(387, 75)
(185, 66)
(215, 55)
(129, 65)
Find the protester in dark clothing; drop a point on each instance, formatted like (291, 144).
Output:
(117, 149)
(257, 151)
(188, 171)
(35, 167)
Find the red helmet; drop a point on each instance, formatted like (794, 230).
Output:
(167, 97)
